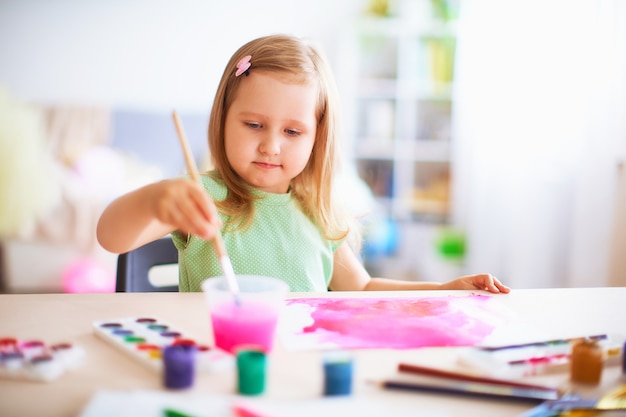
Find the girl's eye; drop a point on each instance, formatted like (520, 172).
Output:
(292, 132)
(253, 125)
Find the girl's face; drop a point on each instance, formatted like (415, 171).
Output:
(270, 130)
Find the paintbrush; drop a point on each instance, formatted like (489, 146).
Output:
(218, 243)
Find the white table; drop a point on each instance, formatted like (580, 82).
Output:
(292, 375)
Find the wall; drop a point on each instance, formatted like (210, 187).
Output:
(155, 55)
(140, 59)
(142, 53)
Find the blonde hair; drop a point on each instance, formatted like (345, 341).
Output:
(300, 62)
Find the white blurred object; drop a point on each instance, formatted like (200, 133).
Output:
(354, 192)
(107, 173)
(539, 126)
(29, 183)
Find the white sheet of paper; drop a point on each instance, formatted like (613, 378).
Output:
(147, 403)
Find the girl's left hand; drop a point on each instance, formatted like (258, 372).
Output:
(485, 282)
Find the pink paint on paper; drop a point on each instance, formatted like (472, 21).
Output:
(398, 323)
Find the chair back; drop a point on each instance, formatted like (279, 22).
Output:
(133, 268)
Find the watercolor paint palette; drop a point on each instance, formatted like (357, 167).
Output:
(537, 358)
(35, 360)
(144, 338)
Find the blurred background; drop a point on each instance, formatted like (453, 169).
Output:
(478, 135)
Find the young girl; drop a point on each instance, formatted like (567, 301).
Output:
(274, 144)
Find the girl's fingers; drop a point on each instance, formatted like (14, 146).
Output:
(496, 286)
(196, 217)
(493, 288)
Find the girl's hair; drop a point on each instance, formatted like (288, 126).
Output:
(297, 61)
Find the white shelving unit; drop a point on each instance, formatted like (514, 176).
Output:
(402, 85)
(399, 80)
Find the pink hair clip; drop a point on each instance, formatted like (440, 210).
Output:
(243, 65)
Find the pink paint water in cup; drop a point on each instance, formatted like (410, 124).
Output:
(249, 317)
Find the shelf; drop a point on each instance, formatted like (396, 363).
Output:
(378, 148)
(377, 88)
(423, 150)
(402, 81)
(370, 88)
(404, 28)
(403, 150)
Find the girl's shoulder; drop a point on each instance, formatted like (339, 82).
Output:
(214, 186)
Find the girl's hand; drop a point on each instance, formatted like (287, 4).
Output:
(185, 206)
(485, 282)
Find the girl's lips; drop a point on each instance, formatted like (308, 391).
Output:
(266, 165)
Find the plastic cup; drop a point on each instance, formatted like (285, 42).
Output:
(249, 317)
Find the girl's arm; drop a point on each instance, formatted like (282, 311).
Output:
(155, 210)
(350, 275)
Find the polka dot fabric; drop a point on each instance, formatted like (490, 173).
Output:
(281, 242)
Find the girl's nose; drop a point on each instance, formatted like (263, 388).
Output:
(270, 145)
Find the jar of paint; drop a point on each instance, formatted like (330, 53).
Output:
(179, 363)
(251, 369)
(338, 369)
(586, 362)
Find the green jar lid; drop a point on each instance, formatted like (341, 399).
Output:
(251, 365)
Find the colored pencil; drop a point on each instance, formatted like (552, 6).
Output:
(245, 411)
(475, 390)
(170, 412)
(458, 376)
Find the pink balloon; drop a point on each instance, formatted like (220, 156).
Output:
(88, 276)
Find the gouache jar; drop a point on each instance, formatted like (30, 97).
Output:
(338, 369)
(251, 370)
(586, 362)
(179, 362)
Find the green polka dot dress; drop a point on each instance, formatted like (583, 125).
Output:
(281, 242)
